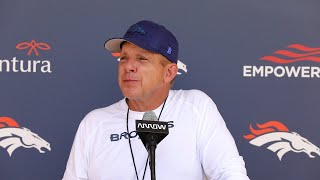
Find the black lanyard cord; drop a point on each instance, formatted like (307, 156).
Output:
(134, 163)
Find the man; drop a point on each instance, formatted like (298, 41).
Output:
(199, 145)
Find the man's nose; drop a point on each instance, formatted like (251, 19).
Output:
(130, 66)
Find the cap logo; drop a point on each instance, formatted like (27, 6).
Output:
(169, 51)
(137, 29)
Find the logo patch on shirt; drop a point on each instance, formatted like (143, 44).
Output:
(132, 134)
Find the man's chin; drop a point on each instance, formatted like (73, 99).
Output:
(130, 95)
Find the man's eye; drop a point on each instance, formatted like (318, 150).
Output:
(123, 58)
(142, 58)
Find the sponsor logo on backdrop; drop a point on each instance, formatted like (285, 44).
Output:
(31, 65)
(284, 63)
(180, 64)
(33, 46)
(13, 136)
(276, 137)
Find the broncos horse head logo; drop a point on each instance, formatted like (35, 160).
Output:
(12, 136)
(277, 137)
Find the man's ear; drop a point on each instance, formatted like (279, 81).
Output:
(171, 72)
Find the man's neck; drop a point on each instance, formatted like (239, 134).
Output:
(147, 104)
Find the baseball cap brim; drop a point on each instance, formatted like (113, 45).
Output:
(113, 44)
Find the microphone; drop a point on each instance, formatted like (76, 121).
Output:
(150, 127)
(151, 132)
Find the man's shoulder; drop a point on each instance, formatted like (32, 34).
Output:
(190, 95)
(194, 98)
(105, 113)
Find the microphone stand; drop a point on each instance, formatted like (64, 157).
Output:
(152, 144)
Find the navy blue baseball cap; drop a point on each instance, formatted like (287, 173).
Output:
(149, 36)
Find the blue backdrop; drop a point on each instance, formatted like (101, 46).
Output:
(258, 60)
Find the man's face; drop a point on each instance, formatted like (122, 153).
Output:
(140, 73)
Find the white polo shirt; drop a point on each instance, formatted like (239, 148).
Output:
(198, 146)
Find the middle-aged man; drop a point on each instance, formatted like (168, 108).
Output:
(199, 145)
